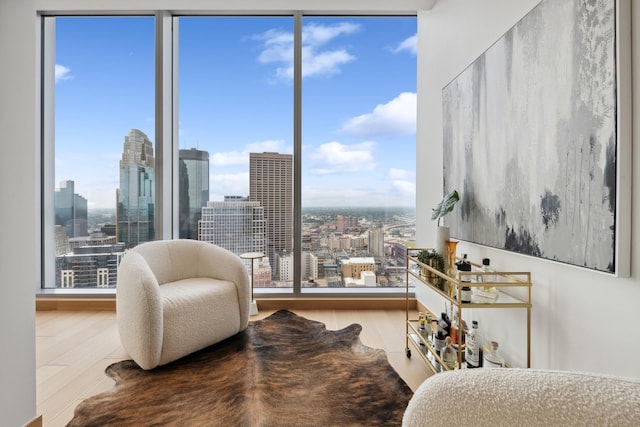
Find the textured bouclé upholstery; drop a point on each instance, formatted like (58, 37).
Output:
(175, 297)
(524, 397)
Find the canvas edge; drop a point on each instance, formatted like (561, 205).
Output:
(624, 143)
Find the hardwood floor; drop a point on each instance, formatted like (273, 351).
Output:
(73, 348)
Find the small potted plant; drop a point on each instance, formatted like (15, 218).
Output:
(434, 260)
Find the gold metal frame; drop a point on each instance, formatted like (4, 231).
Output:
(514, 292)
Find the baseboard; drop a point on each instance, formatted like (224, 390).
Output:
(109, 304)
(69, 304)
(336, 303)
(36, 422)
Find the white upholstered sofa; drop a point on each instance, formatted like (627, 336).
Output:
(174, 297)
(524, 397)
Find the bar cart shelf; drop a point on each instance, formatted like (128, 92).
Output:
(514, 291)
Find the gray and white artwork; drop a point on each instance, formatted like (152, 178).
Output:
(530, 137)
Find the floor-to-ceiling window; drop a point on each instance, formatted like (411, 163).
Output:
(358, 162)
(236, 153)
(98, 146)
(235, 118)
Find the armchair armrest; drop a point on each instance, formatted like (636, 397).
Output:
(219, 263)
(139, 307)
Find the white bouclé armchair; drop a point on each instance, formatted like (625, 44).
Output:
(174, 297)
(524, 397)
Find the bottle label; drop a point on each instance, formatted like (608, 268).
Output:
(472, 354)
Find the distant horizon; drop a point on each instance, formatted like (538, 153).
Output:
(313, 207)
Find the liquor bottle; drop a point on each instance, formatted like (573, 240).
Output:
(466, 294)
(424, 327)
(444, 324)
(486, 269)
(428, 330)
(473, 346)
(485, 294)
(449, 355)
(463, 266)
(457, 337)
(493, 358)
(422, 330)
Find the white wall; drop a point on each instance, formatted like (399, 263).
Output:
(581, 320)
(18, 261)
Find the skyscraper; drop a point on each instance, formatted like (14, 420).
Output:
(71, 210)
(136, 195)
(194, 190)
(271, 184)
(236, 225)
(376, 242)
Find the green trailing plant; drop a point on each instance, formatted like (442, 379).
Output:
(445, 206)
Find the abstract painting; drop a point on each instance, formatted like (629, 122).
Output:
(529, 134)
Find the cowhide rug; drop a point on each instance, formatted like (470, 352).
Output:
(284, 370)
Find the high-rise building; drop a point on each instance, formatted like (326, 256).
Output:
(284, 262)
(194, 189)
(62, 241)
(344, 223)
(271, 184)
(90, 266)
(236, 225)
(136, 195)
(376, 242)
(309, 266)
(71, 210)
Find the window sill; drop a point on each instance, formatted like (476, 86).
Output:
(95, 301)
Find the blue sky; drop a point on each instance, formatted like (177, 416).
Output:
(236, 97)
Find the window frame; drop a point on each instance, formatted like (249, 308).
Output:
(166, 130)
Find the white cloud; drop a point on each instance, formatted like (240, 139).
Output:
(394, 173)
(406, 188)
(409, 44)
(221, 185)
(396, 117)
(278, 49)
(232, 158)
(316, 35)
(335, 157)
(228, 158)
(278, 46)
(402, 181)
(62, 73)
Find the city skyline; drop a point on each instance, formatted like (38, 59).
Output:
(352, 145)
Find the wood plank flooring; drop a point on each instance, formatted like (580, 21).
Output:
(73, 348)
